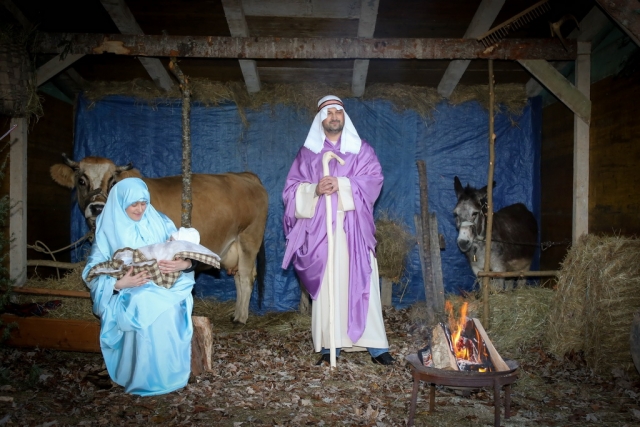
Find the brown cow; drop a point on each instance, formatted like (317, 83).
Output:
(229, 211)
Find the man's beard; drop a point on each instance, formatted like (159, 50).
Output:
(333, 127)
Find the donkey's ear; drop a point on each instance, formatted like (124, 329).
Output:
(457, 185)
(483, 191)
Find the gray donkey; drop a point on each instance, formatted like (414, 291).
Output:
(514, 236)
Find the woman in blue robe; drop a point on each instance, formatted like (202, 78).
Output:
(145, 331)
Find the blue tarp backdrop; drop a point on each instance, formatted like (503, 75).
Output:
(454, 142)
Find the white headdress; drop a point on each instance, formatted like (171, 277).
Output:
(350, 140)
(188, 234)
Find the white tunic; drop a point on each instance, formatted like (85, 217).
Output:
(374, 335)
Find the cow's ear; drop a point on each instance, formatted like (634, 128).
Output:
(131, 173)
(63, 175)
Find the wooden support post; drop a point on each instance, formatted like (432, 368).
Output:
(187, 204)
(18, 202)
(436, 268)
(386, 291)
(425, 240)
(201, 345)
(304, 306)
(492, 156)
(581, 147)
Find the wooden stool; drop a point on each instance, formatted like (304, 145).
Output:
(462, 379)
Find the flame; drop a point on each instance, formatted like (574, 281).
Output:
(462, 352)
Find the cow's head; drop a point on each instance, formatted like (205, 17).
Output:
(93, 178)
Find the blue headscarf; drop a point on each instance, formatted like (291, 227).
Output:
(116, 230)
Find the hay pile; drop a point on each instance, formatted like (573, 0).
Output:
(519, 318)
(220, 313)
(71, 308)
(18, 83)
(394, 244)
(304, 96)
(598, 293)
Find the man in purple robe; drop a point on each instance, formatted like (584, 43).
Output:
(353, 188)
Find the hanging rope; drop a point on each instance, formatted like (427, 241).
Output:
(39, 246)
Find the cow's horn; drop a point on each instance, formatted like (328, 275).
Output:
(69, 162)
(126, 167)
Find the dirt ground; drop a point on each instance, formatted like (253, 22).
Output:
(265, 376)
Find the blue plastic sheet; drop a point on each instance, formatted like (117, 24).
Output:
(453, 143)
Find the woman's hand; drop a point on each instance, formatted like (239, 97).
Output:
(169, 266)
(131, 280)
(327, 185)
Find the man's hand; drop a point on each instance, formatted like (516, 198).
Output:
(327, 185)
(131, 280)
(170, 266)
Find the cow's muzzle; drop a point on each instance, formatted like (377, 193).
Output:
(96, 208)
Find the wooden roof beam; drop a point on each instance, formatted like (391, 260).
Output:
(330, 9)
(562, 88)
(238, 28)
(480, 24)
(55, 65)
(366, 28)
(593, 25)
(625, 13)
(302, 48)
(127, 24)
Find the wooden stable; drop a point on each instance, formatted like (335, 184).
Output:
(579, 143)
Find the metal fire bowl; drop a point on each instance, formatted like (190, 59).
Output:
(464, 378)
(469, 379)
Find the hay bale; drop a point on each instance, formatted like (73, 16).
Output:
(598, 293)
(394, 244)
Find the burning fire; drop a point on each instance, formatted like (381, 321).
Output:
(469, 350)
(461, 350)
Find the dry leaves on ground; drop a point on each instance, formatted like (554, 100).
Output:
(263, 377)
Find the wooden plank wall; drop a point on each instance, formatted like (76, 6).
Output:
(614, 175)
(48, 204)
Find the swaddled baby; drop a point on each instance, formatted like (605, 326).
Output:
(184, 243)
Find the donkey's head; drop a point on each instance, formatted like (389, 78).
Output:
(470, 214)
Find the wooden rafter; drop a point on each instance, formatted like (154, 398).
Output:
(591, 27)
(302, 48)
(238, 28)
(366, 28)
(626, 14)
(557, 84)
(127, 24)
(54, 66)
(331, 9)
(481, 23)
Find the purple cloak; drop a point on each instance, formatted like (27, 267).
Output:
(307, 244)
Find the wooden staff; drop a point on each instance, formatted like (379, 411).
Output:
(326, 158)
(487, 249)
(185, 218)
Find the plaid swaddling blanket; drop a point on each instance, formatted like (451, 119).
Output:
(146, 259)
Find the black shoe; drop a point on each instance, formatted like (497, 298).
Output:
(384, 359)
(324, 358)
